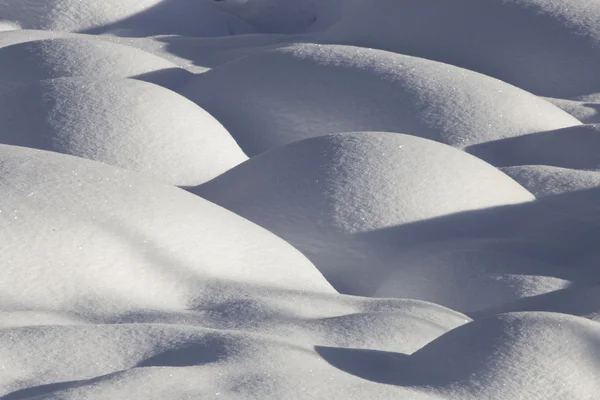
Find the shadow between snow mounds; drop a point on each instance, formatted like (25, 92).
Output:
(170, 78)
(573, 147)
(211, 349)
(199, 18)
(372, 365)
(48, 389)
(42, 390)
(213, 52)
(582, 300)
(546, 229)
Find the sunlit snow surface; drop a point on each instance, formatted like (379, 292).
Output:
(300, 199)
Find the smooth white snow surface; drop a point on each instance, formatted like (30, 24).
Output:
(299, 199)
(280, 96)
(122, 122)
(326, 194)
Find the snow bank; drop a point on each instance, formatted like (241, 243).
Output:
(280, 96)
(78, 234)
(79, 56)
(545, 47)
(544, 180)
(127, 18)
(570, 191)
(572, 147)
(122, 122)
(471, 280)
(512, 356)
(69, 15)
(320, 193)
(179, 362)
(428, 154)
(96, 43)
(585, 111)
(278, 16)
(581, 300)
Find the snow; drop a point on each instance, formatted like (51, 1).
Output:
(276, 97)
(122, 122)
(565, 148)
(321, 194)
(299, 199)
(69, 57)
(544, 355)
(547, 47)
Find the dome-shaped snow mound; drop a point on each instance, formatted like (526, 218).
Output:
(123, 122)
(81, 56)
(574, 192)
(470, 280)
(77, 233)
(512, 356)
(69, 15)
(278, 16)
(129, 18)
(280, 96)
(548, 47)
(547, 181)
(573, 147)
(182, 362)
(322, 193)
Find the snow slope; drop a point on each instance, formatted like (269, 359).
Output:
(299, 199)
(280, 96)
(121, 122)
(320, 194)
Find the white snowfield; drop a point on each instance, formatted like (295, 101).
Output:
(300, 199)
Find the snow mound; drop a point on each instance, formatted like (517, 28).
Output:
(78, 234)
(417, 219)
(545, 47)
(76, 56)
(277, 16)
(582, 300)
(513, 356)
(320, 193)
(154, 45)
(128, 18)
(572, 147)
(472, 280)
(69, 15)
(544, 180)
(570, 191)
(585, 111)
(280, 96)
(180, 362)
(9, 38)
(127, 123)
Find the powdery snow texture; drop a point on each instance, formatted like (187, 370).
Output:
(417, 219)
(301, 91)
(122, 122)
(324, 194)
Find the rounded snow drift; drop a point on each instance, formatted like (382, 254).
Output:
(573, 147)
(511, 356)
(69, 15)
(80, 234)
(472, 280)
(326, 195)
(547, 47)
(81, 56)
(131, 124)
(281, 96)
(132, 17)
(571, 191)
